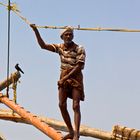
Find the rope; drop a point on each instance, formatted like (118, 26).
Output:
(14, 8)
(8, 50)
(14, 87)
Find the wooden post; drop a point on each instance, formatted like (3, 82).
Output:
(13, 78)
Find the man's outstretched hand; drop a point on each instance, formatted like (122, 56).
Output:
(33, 26)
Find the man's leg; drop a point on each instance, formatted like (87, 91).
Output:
(77, 113)
(64, 112)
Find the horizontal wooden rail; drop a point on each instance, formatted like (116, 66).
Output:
(118, 132)
(58, 125)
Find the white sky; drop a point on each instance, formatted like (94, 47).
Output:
(112, 70)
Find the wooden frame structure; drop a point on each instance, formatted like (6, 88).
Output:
(51, 127)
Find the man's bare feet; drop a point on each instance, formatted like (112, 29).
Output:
(76, 137)
(68, 136)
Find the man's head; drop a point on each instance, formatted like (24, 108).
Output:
(67, 34)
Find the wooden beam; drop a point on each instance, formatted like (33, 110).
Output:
(118, 132)
(31, 118)
(59, 125)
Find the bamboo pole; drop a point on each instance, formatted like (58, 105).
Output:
(59, 125)
(31, 118)
(15, 9)
(13, 78)
(118, 132)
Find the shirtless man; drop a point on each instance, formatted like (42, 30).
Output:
(70, 85)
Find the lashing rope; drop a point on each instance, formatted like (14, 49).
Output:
(14, 87)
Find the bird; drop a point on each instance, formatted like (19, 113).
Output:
(18, 68)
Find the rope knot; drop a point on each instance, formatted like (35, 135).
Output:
(13, 7)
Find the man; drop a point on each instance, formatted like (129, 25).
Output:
(70, 84)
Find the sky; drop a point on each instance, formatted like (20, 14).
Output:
(111, 73)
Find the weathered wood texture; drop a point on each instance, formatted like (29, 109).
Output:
(13, 78)
(59, 125)
(31, 118)
(118, 132)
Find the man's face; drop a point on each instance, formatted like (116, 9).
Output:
(67, 37)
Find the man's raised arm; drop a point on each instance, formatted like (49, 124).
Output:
(42, 44)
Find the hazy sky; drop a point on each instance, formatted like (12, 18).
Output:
(112, 70)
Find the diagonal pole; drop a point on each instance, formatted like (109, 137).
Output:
(31, 118)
